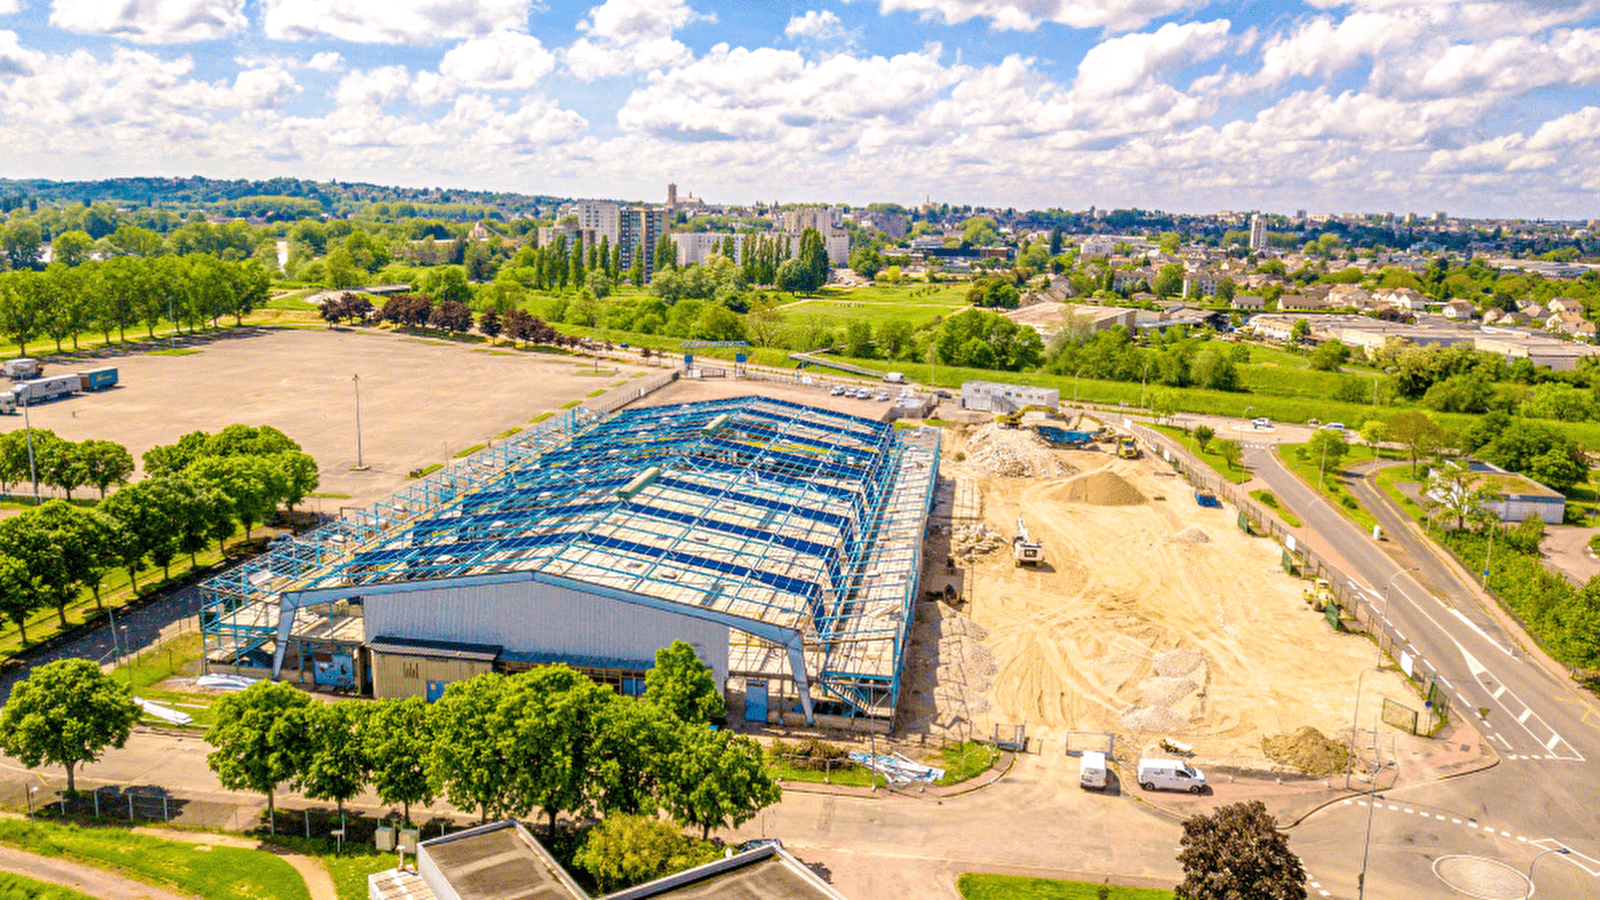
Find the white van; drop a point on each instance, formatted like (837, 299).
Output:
(1092, 770)
(1170, 775)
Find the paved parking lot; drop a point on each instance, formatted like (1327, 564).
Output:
(422, 400)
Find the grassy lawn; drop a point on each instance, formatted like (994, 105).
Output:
(179, 656)
(974, 886)
(1237, 475)
(1266, 498)
(1389, 480)
(349, 868)
(1338, 498)
(174, 351)
(216, 873)
(966, 760)
(469, 451)
(1583, 500)
(960, 762)
(854, 776)
(16, 887)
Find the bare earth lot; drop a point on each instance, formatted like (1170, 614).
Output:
(422, 400)
(1125, 629)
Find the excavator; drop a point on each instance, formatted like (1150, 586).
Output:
(1027, 551)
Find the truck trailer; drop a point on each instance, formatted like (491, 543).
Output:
(22, 367)
(98, 379)
(40, 389)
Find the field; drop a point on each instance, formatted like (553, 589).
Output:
(1152, 617)
(421, 400)
(1016, 887)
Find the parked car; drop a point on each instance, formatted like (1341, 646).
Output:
(1170, 775)
(1092, 770)
(1314, 423)
(838, 390)
(881, 396)
(1333, 426)
(1261, 422)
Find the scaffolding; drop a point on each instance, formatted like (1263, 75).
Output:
(798, 525)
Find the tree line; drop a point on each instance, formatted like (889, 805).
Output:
(546, 741)
(197, 493)
(62, 464)
(65, 301)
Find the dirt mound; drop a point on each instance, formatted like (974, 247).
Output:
(1103, 488)
(1308, 750)
(1189, 536)
(968, 541)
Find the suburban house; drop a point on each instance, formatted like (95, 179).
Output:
(1249, 301)
(1460, 310)
(1403, 298)
(1300, 302)
(1566, 305)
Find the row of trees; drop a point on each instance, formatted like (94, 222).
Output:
(548, 740)
(62, 464)
(63, 301)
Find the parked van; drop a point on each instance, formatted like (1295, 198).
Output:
(1170, 775)
(1092, 770)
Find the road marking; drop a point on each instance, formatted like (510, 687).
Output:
(1496, 694)
(1524, 717)
(1587, 863)
(1401, 636)
(1537, 728)
(1551, 744)
(1446, 682)
(1481, 633)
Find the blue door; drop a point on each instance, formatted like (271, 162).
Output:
(755, 700)
(436, 689)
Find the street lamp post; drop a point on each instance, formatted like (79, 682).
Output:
(1372, 796)
(33, 472)
(1560, 850)
(356, 380)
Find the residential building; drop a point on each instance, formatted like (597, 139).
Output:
(1460, 310)
(1351, 295)
(1200, 283)
(1258, 232)
(695, 247)
(1566, 305)
(1300, 302)
(1124, 278)
(1249, 301)
(826, 220)
(638, 229)
(604, 219)
(1097, 247)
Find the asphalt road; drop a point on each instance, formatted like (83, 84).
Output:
(1546, 731)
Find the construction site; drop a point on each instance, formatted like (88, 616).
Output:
(1145, 616)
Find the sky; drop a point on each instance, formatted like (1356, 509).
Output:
(1469, 107)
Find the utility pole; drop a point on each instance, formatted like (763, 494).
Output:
(33, 471)
(356, 380)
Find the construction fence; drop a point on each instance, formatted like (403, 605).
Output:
(1351, 610)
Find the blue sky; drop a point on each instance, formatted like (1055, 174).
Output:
(1471, 107)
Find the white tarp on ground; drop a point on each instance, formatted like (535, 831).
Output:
(898, 769)
(224, 682)
(165, 713)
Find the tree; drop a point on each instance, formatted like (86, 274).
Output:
(1420, 434)
(623, 851)
(717, 779)
(397, 737)
(64, 714)
(1329, 356)
(467, 763)
(297, 474)
(451, 315)
(104, 463)
(858, 339)
(632, 743)
(31, 538)
(1169, 281)
(72, 248)
(1203, 435)
(813, 257)
(545, 724)
(1299, 331)
(1164, 404)
(894, 338)
(1328, 448)
(1374, 432)
(261, 738)
(682, 685)
(866, 262)
(1236, 853)
(1225, 290)
(1230, 451)
(251, 484)
(18, 595)
(337, 766)
(1458, 491)
(489, 324)
(22, 242)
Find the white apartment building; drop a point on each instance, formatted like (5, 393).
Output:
(604, 219)
(827, 221)
(1258, 232)
(695, 247)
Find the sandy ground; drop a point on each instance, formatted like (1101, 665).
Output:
(1127, 632)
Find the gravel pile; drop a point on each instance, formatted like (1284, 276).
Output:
(1178, 663)
(1011, 453)
(969, 541)
(1308, 750)
(1103, 488)
(1189, 536)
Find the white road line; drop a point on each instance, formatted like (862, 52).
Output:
(1551, 744)
(1401, 636)
(1524, 717)
(1447, 685)
(1498, 692)
(1481, 633)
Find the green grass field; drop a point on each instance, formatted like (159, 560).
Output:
(216, 873)
(16, 887)
(348, 868)
(175, 657)
(1236, 474)
(974, 886)
(1311, 469)
(1269, 500)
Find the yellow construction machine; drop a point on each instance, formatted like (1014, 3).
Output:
(1127, 448)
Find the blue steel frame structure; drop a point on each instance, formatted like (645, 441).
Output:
(798, 525)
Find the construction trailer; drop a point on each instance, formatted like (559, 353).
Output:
(993, 397)
(781, 541)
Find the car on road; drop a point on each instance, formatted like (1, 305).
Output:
(838, 389)
(1170, 775)
(1261, 422)
(1314, 423)
(881, 396)
(1333, 426)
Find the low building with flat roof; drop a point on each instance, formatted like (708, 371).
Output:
(989, 396)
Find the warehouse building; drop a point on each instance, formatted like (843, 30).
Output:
(781, 541)
(990, 396)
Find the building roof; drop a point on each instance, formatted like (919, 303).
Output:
(498, 861)
(763, 873)
(790, 522)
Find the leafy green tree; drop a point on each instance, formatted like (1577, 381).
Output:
(84, 538)
(1460, 492)
(72, 248)
(1203, 435)
(717, 779)
(1328, 356)
(1420, 434)
(858, 339)
(32, 538)
(792, 277)
(1561, 401)
(1230, 451)
(467, 763)
(813, 257)
(22, 243)
(632, 743)
(104, 463)
(19, 597)
(979, 231)
(1169, 281)
(398, 738)
(683, 686)
(66, 713)
(623, 851)
(447, 283)
(866, 262)
(546, 725)
(1374, 432)
(251, 484)
(895, 338)
(1238, 852)
(1226, 289)
(337, 767)
(261, 738)
(298, 476)
(1328, 448)
(1299, 331)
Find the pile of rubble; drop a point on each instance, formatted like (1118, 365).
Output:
(1011, 453)
(968, 541)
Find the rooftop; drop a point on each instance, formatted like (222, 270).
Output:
(499, 861)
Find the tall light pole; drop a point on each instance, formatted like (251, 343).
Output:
(1561, 850)
(1372, 794)
(356, 380)
(1075, 385)
(33, 471)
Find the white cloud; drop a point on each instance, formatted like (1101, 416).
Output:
(1026, 15)
(814, 25)
(391, 22)
(373, 87)
(1121, 64)
(505, 60)
(7, 7)
(150, 21)
(14, 58)
(327, 61)
(626, 36)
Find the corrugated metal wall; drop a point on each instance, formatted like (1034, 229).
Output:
(527, 617)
